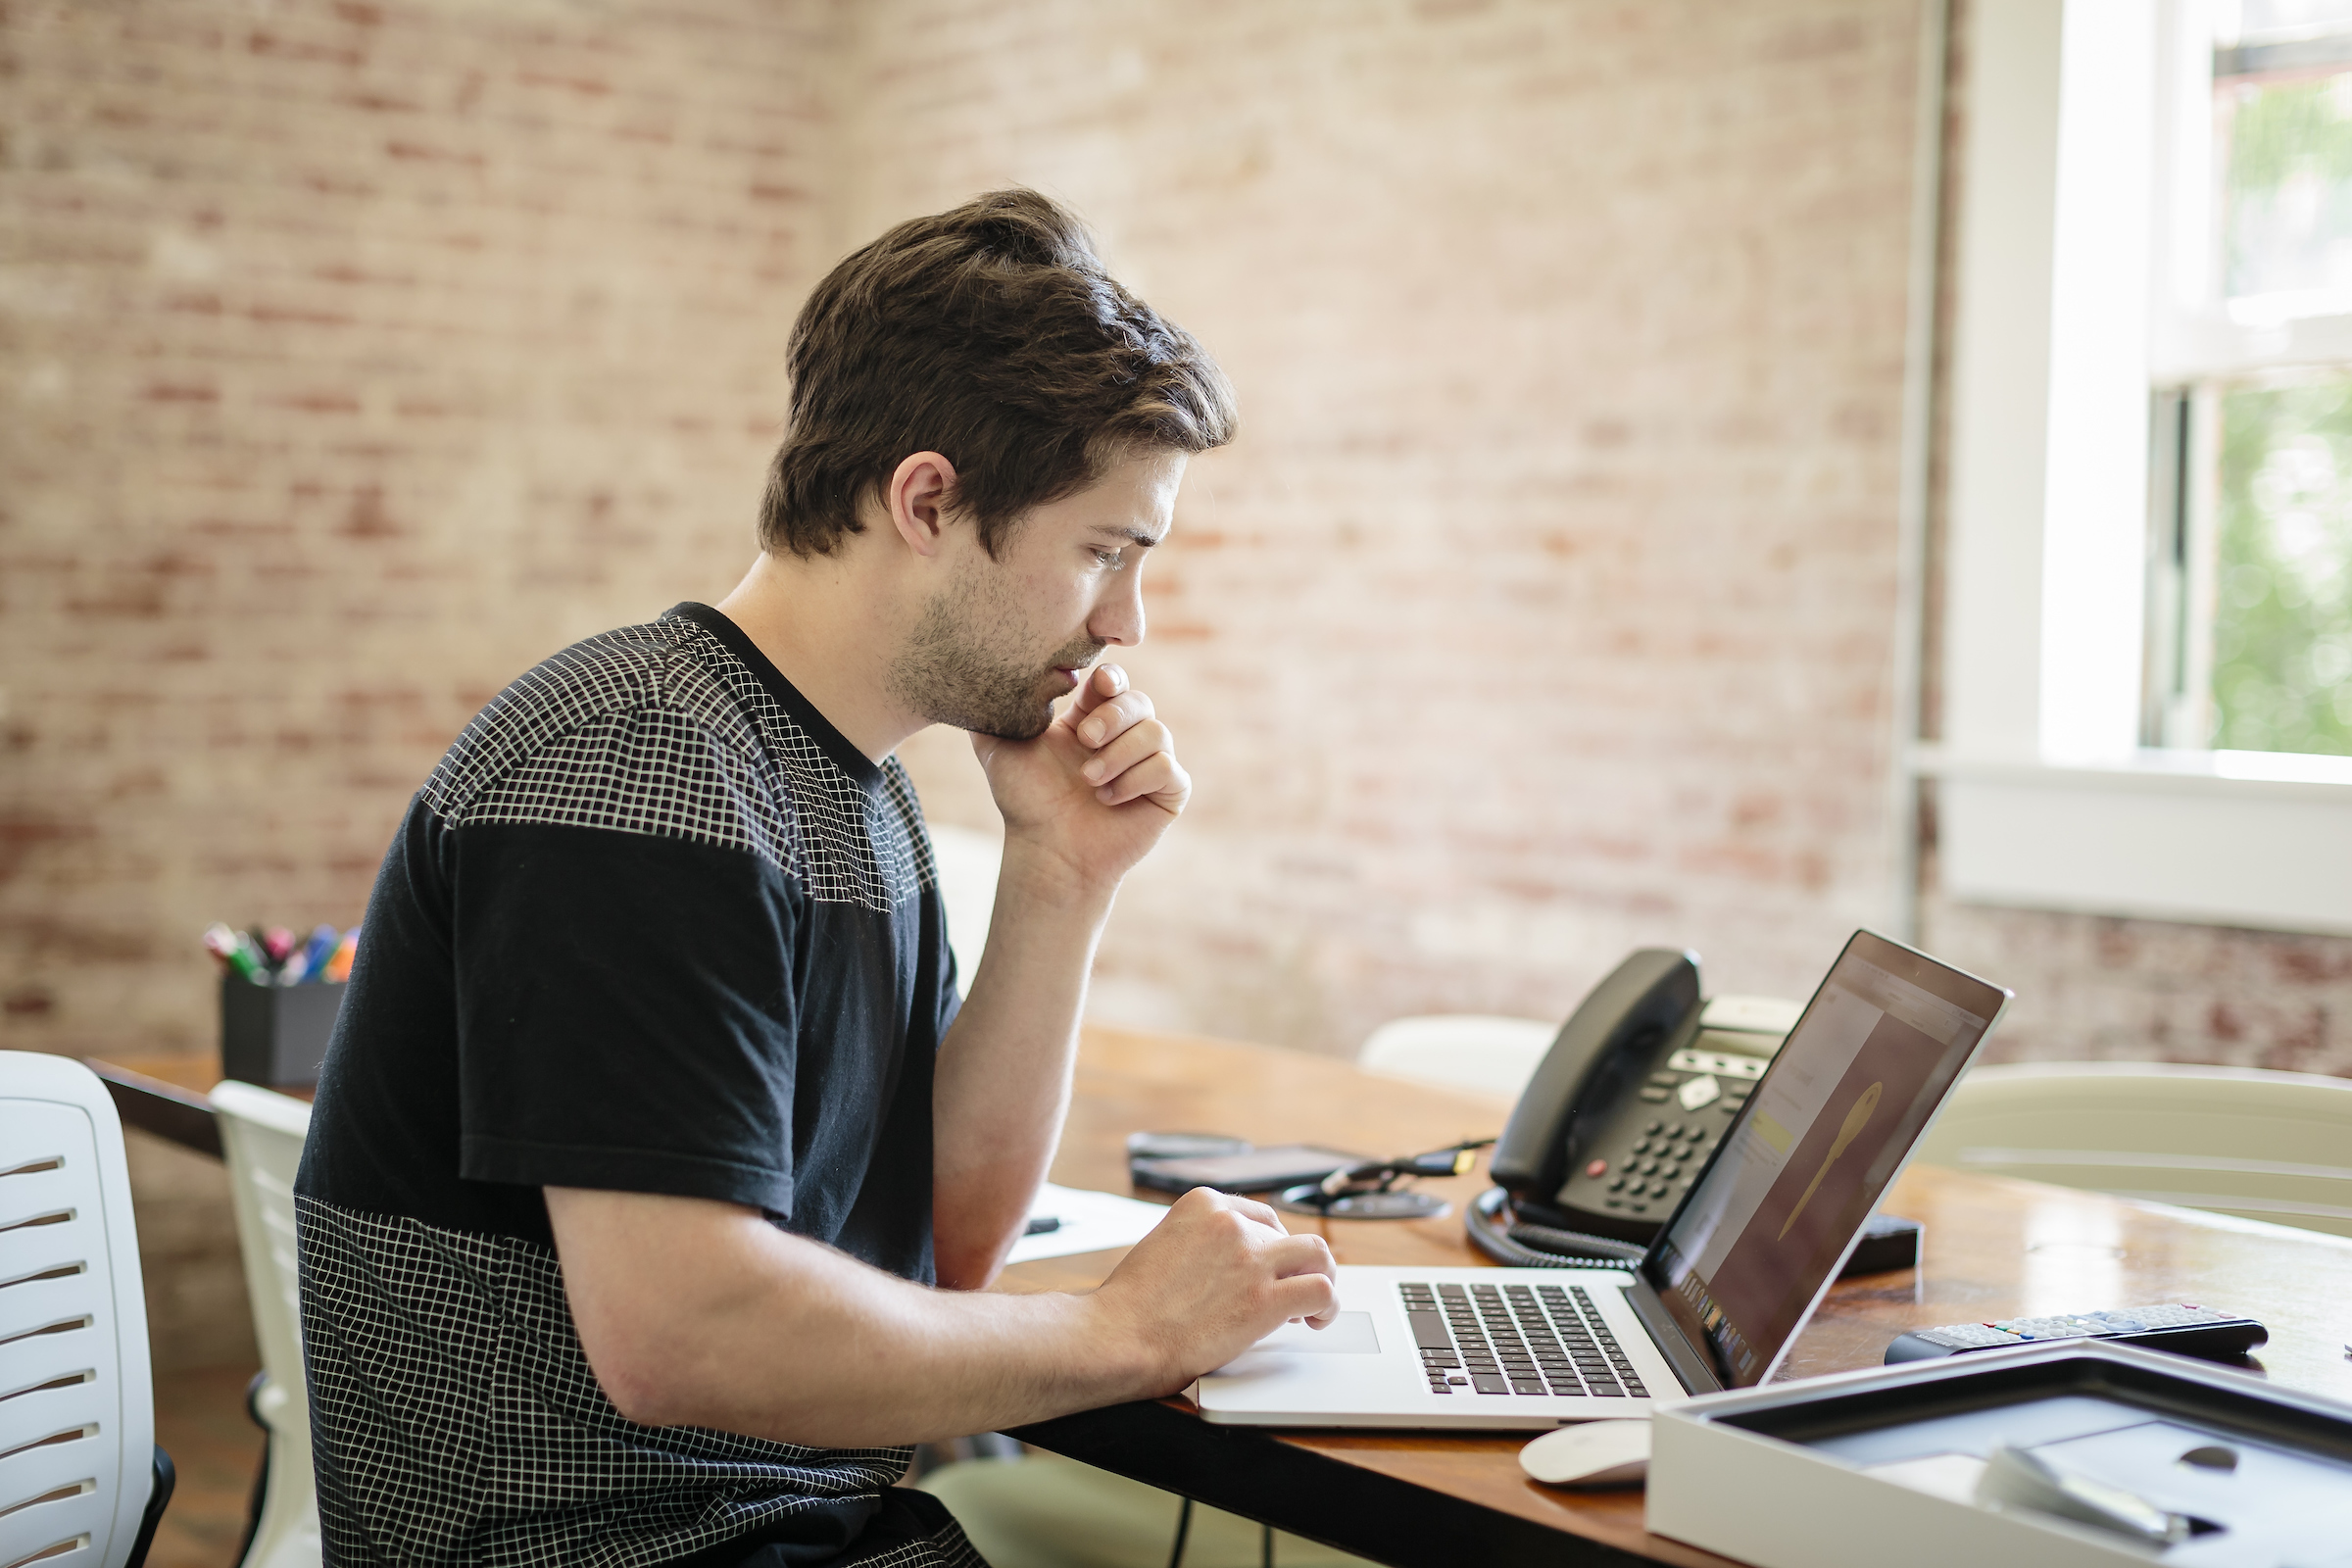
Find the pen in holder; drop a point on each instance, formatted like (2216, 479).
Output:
(279, 1000)
(275, 1035)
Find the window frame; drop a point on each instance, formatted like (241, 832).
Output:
(2065, 318)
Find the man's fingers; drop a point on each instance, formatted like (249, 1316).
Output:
(1252, 1208)
(1113, 716)
(1301, 1254)
(1306, 1281)
(1159, 777)
(1311, 1296)
(1102, 683)
(1129, 749)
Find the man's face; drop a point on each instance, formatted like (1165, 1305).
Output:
(1005, 637)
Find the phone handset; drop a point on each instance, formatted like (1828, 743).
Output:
(1596, 1065)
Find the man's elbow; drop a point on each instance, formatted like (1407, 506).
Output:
(645, 1386)
(961, 1265)
(651, 1281)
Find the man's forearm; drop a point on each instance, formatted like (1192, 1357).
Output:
(774, 1336)
(1001, 1083)
(700, 1313)
(1082, 803)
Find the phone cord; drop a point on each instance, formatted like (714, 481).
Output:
(1493, 1232)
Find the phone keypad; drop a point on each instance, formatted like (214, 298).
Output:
(1657, 1167)
(1695, 1092)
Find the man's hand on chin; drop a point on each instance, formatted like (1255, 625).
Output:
(1096, 789)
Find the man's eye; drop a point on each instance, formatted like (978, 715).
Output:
(1110, 560)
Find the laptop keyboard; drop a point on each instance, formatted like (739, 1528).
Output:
(1517, 1338)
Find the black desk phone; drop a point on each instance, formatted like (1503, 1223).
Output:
(1635, 1096)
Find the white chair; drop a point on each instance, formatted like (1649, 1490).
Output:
(1046, 1512)
(82, 1481)
(2268, 1145)
(1497, 1055)
(967, 861)
(261, 1137)
(1474, 1050)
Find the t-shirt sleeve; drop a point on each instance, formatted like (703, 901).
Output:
(626, 1014)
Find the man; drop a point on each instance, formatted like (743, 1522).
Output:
(650, 1118)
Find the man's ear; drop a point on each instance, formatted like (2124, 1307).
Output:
(920, 497)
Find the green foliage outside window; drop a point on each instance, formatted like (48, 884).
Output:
(2290, 186)
(2283, 620)
(2283, 613)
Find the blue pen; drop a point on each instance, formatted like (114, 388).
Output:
(312, 966)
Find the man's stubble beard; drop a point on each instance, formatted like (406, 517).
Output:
(952, 671)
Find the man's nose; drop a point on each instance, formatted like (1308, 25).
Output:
(1118, 619)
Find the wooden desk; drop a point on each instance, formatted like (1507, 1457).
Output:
(1993, 1249)
(165, 1096)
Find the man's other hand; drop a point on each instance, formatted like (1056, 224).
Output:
(1097, 788)
(1212, 1279)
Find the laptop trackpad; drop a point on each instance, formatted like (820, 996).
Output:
(1350, 1334)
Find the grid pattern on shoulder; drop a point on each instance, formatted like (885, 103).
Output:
(457, 1419)
(661, 729)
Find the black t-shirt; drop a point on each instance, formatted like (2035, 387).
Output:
(653, 925)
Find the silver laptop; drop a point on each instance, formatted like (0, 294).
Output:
(1719, 1297)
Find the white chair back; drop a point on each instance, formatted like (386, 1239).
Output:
(967, 861)
(261, 1133)
(1478, 1052)
(2268, 1145)
(76, 1399)
(1497, 1055)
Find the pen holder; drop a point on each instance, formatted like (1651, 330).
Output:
(275, 1035)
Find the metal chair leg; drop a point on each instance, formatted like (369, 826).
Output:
(260, 1477)
(158, 1500)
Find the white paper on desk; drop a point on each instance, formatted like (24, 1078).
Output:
(1091, 1222)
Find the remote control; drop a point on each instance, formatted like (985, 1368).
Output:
(2186, 1328)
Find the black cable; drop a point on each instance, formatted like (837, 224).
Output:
(1184, 1525)
(1265, 1551)
(1507, 1241)
(1381, 1175)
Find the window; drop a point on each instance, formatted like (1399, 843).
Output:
(2249, 601)
(2148, 558)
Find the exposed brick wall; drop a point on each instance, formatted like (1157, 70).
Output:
(355, 356)
(1545, 607)
(351, 359)
(2093, 987)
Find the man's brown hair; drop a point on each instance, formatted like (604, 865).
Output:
(991, 334)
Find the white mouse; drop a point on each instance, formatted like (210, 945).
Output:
(1592, 1453)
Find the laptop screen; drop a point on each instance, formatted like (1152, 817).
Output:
(1754, 1246)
